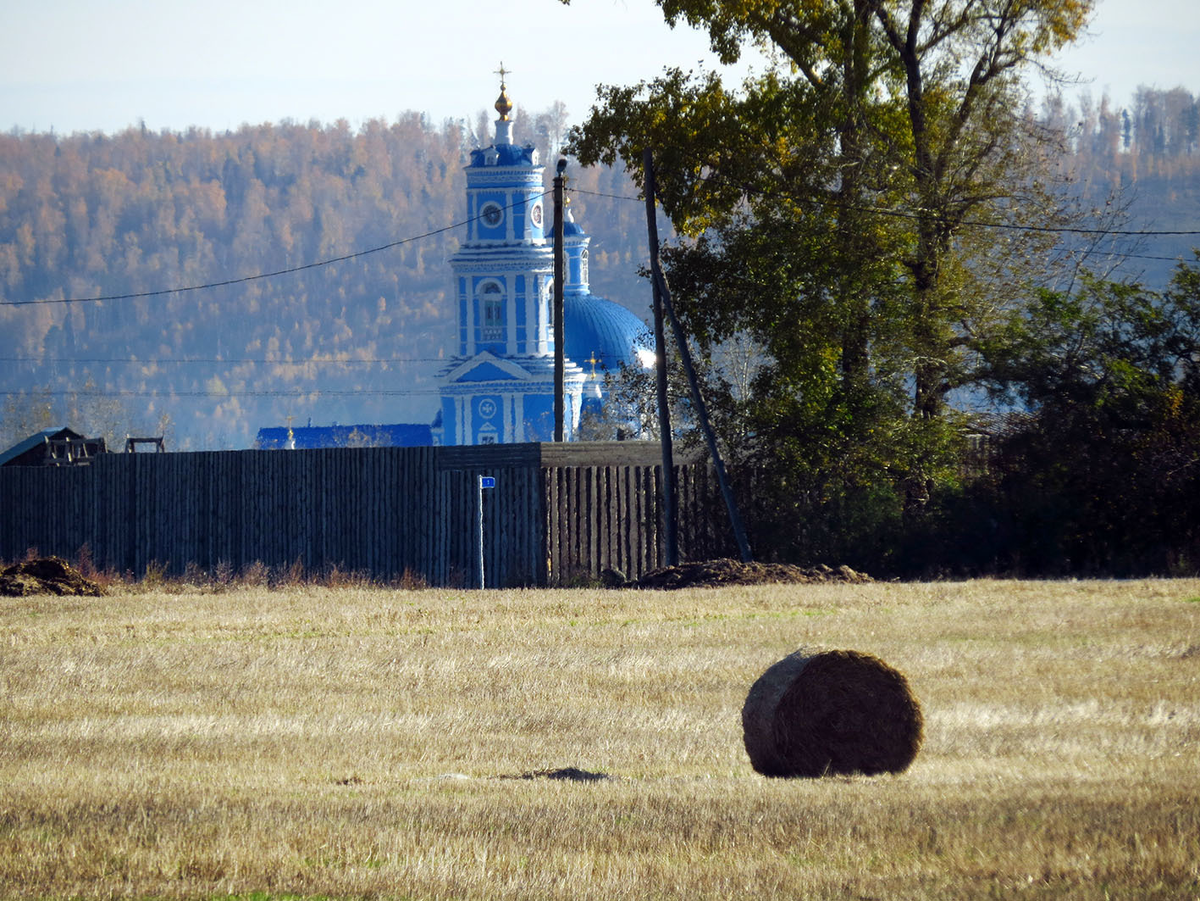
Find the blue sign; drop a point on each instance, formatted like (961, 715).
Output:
(487, 481)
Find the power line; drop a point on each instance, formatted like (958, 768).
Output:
(261, 275)
(231, 361)
(902, 214)
(975, 223)
(298, 395)
(242, 360)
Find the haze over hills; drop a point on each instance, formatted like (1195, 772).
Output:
(359, 339)
(1144, 159)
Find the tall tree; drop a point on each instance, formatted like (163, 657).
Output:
(835, 202)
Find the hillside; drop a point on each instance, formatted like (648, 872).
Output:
(359, 339)
(1141, 162)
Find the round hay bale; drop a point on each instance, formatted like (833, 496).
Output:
(831, 713)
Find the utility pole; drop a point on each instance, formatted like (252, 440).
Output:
(662, 291)
(671, 524)
(559, 330)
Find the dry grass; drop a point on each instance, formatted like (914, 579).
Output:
(344, 742)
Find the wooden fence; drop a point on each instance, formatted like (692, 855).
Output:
(558, 513)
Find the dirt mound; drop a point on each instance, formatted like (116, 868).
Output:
(45, 575)
(708, 573)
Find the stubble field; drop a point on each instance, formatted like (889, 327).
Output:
(354, 742)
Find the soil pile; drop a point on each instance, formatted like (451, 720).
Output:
(708, 573)
(45, 575)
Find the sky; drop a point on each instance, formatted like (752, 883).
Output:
(105, 65)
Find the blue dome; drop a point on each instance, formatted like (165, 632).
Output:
(602, 330)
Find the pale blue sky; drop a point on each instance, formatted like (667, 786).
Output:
(87, 65)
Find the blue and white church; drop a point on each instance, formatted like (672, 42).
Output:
(498, 387)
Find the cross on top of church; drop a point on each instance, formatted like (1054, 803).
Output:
(503, 104)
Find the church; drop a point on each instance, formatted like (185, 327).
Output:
(498, 386)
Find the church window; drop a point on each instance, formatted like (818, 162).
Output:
(487, 434)
(583, 267)
(492, 304)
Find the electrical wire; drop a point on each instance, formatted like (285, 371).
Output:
(298, 394)
(393, 244)
(902, 214)
(261, 275)
(158, 361)
(974, 223)
(243, 361)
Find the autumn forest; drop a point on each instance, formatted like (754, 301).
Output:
(357, 340)
(138, 213)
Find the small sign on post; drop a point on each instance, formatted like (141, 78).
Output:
(484, 482)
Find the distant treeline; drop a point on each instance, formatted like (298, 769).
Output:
(93, 215)
(1144, 158)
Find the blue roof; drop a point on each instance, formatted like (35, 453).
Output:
(507, 155)
(603, 330)
(403, 434)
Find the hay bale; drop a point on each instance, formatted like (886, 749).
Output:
(831, 713)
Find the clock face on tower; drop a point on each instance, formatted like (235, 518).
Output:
(491, 214)
(536, 215)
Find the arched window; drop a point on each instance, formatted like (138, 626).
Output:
(583, 267)
(491, 311)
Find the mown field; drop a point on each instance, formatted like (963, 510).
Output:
(315, 742)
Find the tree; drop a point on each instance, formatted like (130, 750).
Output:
(1102, 469)
(837, 208)
(25, 413)
(913, 104)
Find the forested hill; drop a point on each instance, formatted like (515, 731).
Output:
(358, 340)
(1142, 158)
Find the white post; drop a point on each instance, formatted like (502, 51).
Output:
(481, 531)
(484, 482)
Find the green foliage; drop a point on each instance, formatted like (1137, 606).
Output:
(1102, 472)
(868, 122)
(827, 203)
(1108, 347)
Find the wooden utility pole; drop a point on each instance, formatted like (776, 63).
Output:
(662, 291)
(560, 333)
(670, 517)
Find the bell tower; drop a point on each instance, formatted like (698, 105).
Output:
(499, 388)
